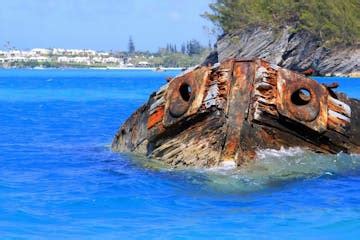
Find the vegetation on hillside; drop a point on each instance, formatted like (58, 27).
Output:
(332, 21)
(169, 59)
(189, 54)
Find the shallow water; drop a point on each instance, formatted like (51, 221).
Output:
(59, 180)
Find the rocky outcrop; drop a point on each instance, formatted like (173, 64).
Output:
(298, 51)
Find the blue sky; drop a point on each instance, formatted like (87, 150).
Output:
(102, 24)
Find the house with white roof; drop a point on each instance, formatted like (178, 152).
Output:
(40, 51)
(63, 59)
(111, 60)
(58, 51)
(143, 64)
(40, 59)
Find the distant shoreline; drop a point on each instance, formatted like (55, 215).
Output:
(140, 68)
(103, 68)
(154, 69)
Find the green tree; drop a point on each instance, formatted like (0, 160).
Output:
(332, 21)
(194, 47)
(183, 48)
(131, 46)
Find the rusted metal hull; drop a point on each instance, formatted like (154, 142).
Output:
(221, 115)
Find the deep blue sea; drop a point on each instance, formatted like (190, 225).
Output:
(60, 180)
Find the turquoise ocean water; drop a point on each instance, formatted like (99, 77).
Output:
(59, 179)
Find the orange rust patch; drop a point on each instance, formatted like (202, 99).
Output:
(156, 117)
(230, 148)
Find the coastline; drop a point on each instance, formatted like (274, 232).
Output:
(103, 68)
(354, 75)
(141, 68)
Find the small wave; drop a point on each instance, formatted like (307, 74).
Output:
(271, 168)
(278, 167)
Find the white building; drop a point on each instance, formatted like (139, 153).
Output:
(97, 59)
(90, 52)
(63, 59)
(104, 54)
(40, 51)
(14, 53)
(111, 60)
(17, 59)
(3, 53)
(143, 64)
(74, 52)
(80, 60)
(40, 59)
(58, 51)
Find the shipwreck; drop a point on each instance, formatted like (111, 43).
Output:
(223, 114)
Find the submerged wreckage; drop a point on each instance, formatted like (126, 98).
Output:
(220, 115)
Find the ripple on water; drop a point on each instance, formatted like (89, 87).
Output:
(272, 168)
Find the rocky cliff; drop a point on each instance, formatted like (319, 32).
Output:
(300, 51)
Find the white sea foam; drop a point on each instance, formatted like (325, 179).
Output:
(277, 167)
(270, 168)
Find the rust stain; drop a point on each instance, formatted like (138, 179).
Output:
(308, 72)
(156, 117)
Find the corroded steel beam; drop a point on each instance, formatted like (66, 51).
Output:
(211, 116)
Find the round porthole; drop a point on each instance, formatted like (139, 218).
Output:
(180, 99)
(303, 103)
(301, 97)
(185, 92)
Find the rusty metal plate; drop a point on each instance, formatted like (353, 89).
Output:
(238, 104)
(184, 95)
(302, 100)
